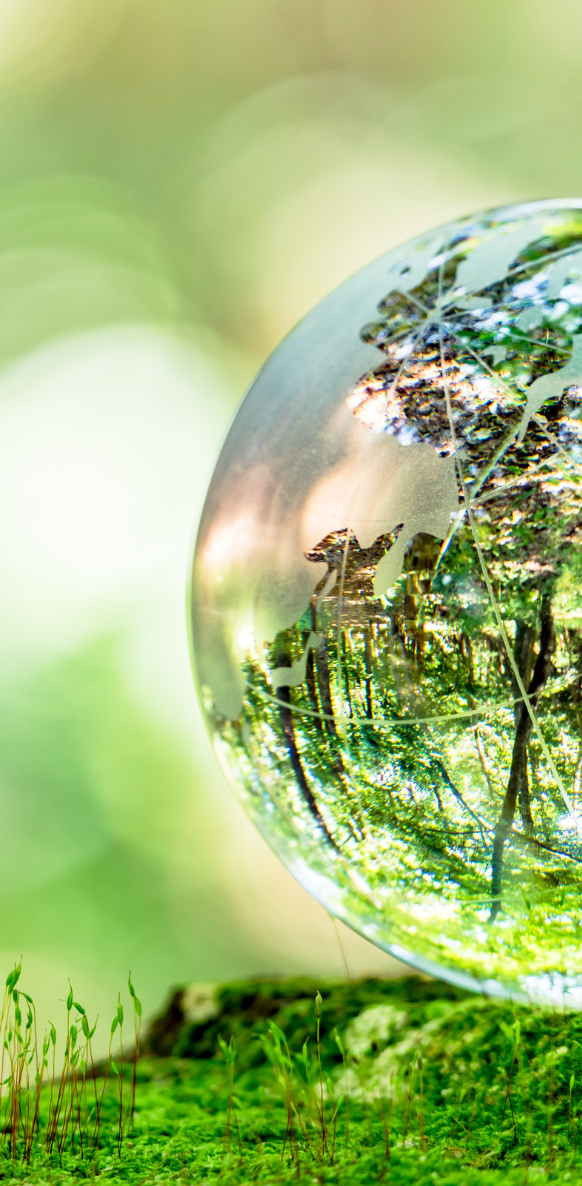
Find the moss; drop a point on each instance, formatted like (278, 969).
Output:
(245, 1008)
(413, 1084)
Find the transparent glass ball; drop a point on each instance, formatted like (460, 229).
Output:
(387, 602)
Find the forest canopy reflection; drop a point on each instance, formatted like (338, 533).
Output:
(420, 766)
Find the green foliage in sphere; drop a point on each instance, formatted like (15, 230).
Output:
(387, 602)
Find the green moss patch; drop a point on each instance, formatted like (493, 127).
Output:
(410, 1082)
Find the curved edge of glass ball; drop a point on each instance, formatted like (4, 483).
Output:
(292, 411)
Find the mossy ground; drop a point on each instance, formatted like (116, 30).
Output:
(429, 1086)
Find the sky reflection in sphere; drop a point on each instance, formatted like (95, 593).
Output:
(387, 602)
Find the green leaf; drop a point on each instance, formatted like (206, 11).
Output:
(114, 1024)
(120, 1014)
(70, 1001)
(13, 978)
(278, 1034)
(228, 1051)
(79, 1008)
(338, 1042)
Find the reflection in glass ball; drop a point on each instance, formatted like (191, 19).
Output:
(387, 602)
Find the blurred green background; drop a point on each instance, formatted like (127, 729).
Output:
(180, 180)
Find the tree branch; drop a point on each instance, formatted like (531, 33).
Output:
(518, 786)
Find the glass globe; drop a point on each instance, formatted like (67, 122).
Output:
(387, 602)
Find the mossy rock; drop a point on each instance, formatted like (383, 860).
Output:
(195, 1016)
(413, 1083)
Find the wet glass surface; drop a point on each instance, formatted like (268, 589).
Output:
(387, 601)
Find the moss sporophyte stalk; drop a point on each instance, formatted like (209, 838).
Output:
(53, 1103)
(404, 1081)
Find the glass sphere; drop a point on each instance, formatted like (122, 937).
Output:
(387, 602)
